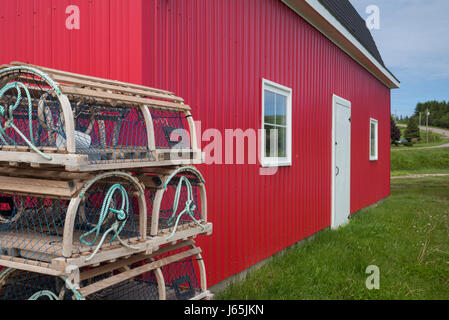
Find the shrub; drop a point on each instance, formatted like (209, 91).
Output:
(412, 131)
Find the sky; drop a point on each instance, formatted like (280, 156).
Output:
(413, 40)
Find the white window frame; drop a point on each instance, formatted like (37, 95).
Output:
(374, 157)
(287, 92)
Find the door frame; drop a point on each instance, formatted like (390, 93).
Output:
(336, 99)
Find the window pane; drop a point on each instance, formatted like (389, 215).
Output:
(282, 143)
(372, 140)
(281, 109)
(270, 141)
(270, 106)
(273, 149)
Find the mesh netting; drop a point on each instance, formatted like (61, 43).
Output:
(32, 227)
(181, 281)
(169, 129)
(141, 287)
(166, 207)
(106, 133)
(90, 208)
(21, 285)
(46, 116)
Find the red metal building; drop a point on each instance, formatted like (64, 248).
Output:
(217, 55)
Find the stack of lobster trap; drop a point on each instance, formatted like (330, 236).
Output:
(99, 198)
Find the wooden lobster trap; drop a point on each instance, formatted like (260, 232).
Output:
(172, 272)
(50, 117)
(67, 221)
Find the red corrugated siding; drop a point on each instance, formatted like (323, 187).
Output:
(215, 54)
(108, 44)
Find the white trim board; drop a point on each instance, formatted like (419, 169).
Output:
(287, 92)
(376, 139)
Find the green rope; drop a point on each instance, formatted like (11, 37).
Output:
(10, 121)
(117, 226)
(188, 209)
(44, 293)
(69, 285)
(37, 72)
(5, 272)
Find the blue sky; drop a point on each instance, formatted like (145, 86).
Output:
(413, 40)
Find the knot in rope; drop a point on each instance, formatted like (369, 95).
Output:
(189, 208)
(121, 216)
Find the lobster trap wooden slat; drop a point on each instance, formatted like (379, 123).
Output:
(86, 77)
(114, 88)
(63, 189)
(123, 98)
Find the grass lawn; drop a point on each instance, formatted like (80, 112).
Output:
(420, 161)
(406, 237)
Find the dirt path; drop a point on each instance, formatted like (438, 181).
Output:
(411, 176)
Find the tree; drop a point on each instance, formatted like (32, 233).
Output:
(439, 113)
(412, 132)
(395, 132)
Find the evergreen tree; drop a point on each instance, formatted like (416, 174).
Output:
(439, 113)
(395, 132)
(412, 132)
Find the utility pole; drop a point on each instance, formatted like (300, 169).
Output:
(427, 125)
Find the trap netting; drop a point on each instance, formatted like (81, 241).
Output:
(24, 285)
(142, 287)
(170, 129)
(182, 279)
(30, 111)
(109, 211)
(106, 132)
(32, 227)
(181, 202)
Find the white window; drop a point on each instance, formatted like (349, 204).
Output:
(276, 124)
(373, 134)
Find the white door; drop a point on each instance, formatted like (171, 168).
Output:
(341, 161)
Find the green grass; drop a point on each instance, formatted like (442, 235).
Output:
(429, 160)
(406, 237)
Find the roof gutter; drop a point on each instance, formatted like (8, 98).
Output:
(318, 16)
